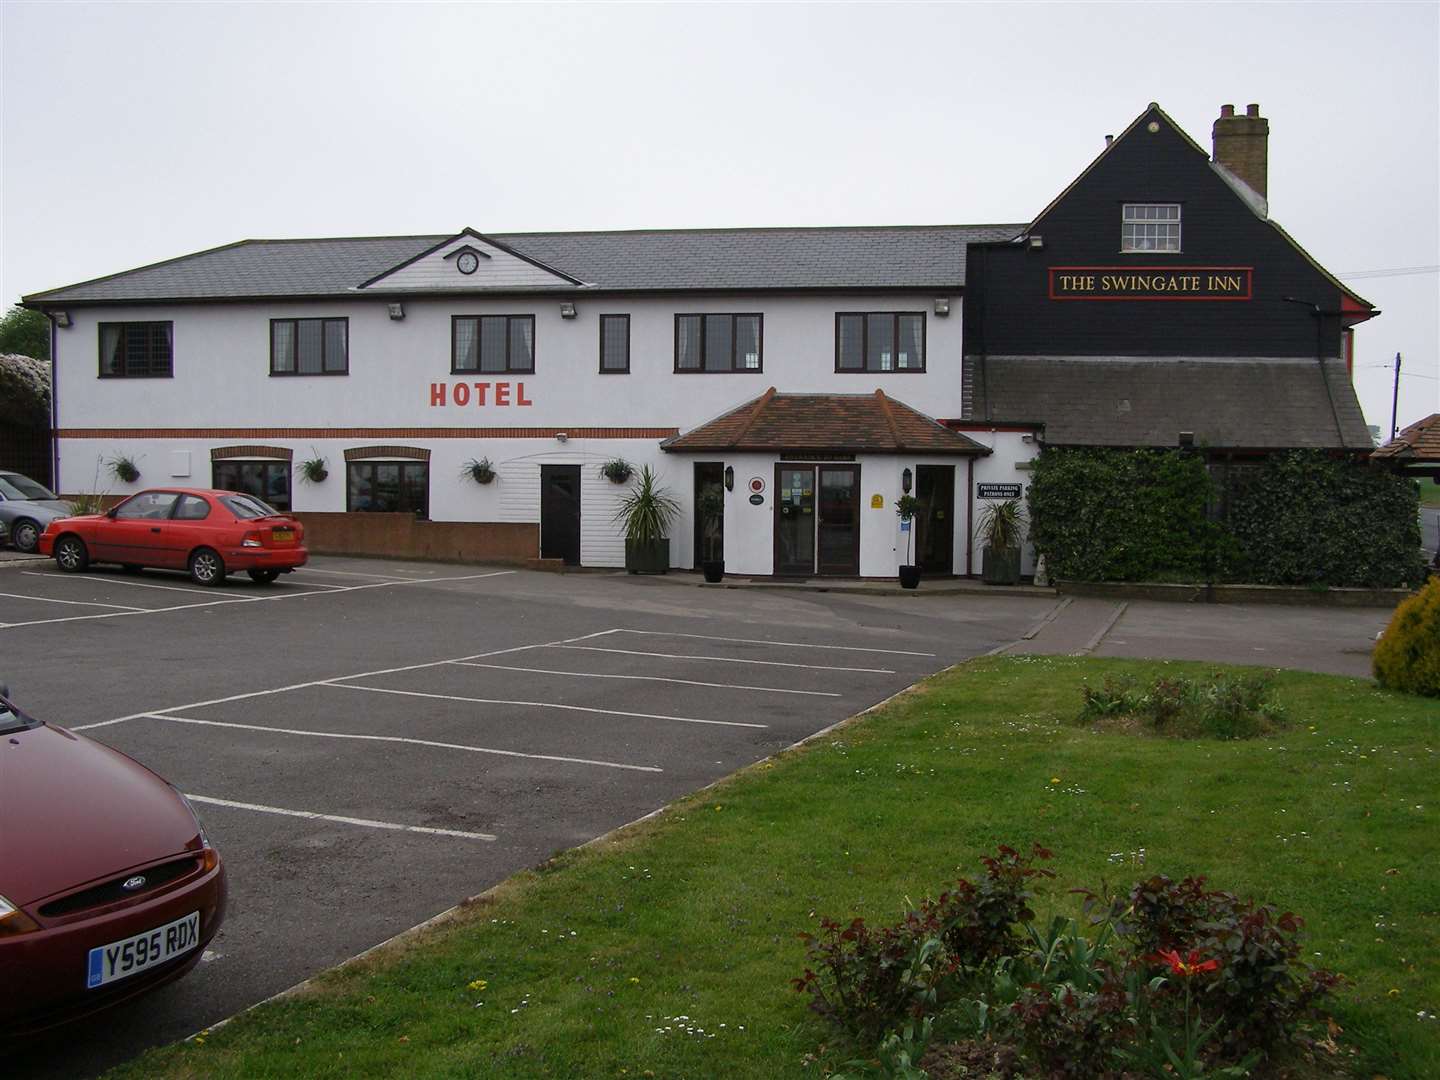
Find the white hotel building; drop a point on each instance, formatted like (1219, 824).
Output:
(809, 371)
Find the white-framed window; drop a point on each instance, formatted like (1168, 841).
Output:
(1150, 227)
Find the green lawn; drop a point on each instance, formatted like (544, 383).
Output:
(666, 951)
(1429, 493)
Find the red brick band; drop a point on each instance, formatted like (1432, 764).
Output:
(360, 453)
(222, 453)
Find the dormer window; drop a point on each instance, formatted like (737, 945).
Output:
(1150, 227)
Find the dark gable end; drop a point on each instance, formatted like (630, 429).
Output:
(1239, 289)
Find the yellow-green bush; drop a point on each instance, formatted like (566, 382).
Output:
(1407, 657)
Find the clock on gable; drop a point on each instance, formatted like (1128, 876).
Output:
(467, 262)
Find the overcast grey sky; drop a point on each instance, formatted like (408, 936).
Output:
(137, 132)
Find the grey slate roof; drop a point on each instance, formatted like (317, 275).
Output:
(1243, 403)
(925, 256)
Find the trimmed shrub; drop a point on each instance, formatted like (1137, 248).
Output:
(1407, 656)
(1297, 518)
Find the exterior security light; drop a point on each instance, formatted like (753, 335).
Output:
(1187, 438)
(567, 310)
(942, 305)
(560, 436)
(729, 477)
(1037, 242)
(397, 311)
(62, 318)
(907, 478)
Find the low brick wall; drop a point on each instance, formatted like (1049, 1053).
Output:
(1234, 594)
(401, 536)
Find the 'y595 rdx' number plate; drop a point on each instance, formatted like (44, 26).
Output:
(121, 959)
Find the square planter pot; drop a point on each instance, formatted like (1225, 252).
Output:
(647, 556)
(1001, 567)
(909, 577)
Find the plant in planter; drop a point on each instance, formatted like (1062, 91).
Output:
(482, 471)
(617, 470)
(647, 514)
(123, 468)
(710, 507)
(907, 506)
(1001, 529)
(313, 469)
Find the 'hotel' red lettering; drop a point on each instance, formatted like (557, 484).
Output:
(437, 394)
(462, 393)
(520, 398)
(480, 388)
(502, 393)
(459, 394)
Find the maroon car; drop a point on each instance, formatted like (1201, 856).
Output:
(209, 533)
(108, 884)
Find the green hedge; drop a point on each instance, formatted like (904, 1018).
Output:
(1298, 518)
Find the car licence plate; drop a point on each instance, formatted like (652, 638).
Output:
(121, 959)
(282, 534)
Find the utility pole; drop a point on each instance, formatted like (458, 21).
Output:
(1395, 396)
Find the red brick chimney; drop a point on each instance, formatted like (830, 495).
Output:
(1242, 145)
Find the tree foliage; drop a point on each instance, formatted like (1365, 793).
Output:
(1298, 518)
(24, 392)
(25, 333)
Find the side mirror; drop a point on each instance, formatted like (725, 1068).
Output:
(111, 512)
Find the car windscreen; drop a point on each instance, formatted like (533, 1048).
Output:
(245, 507)
(12, 719)
(15, 486)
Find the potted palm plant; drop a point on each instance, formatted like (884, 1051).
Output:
(907, 506)
(1001, 529)
(711, 508)
(646, 514)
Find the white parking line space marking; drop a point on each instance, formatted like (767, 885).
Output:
(778, 644)
(648, 678)
(350, 573)
(403, 739)
(81, 603)
(336, 680)
(364, 822)
(540, 705)
(78, 579)
(724, 659)
(245, 599)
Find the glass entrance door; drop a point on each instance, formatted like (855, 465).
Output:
(839, 524)
(795, 520)
(817, 525)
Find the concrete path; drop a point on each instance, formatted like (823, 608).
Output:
(1337, 641)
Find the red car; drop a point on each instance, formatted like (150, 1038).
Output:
(209, 533)
(108, 884)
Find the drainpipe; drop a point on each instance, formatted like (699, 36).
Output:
(54, 412)
(970, 519)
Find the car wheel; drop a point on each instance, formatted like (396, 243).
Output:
(263, 577)
(71, 554)
(206, 567)
(25, 535)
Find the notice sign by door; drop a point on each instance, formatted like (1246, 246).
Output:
(997, 491)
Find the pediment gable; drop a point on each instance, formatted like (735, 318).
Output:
(469, 261)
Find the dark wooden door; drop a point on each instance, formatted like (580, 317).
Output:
(935, 523)
(709, 535)
(560, 513)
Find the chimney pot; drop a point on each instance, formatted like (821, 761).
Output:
(1241, 145)
(1109, 139)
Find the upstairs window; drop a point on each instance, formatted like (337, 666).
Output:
(1150, 227)
(707, 343)
(136, 350)
(880, 341)
(309, 346)
(614, 344)
(492, 344)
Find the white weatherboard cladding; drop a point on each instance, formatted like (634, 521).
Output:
(501, 270)
(221, 380)
(222, 365)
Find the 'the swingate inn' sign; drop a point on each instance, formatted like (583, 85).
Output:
(1150, 282)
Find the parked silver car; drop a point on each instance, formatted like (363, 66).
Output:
(26, 508)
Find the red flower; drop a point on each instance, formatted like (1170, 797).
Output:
(1191, 965)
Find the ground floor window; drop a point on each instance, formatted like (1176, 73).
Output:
(388, 487)
(266, 480)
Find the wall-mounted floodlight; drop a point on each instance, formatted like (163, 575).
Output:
(567, 310)
(942, 305)
(1037, 242)
(560, 436)
(1187, 439)
(397, 312)
(62, 318)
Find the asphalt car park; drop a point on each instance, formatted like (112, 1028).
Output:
(369, 742)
